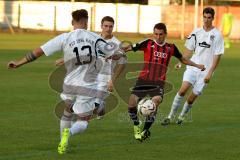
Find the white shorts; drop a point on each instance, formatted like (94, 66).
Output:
(196, 79)
(82, 105)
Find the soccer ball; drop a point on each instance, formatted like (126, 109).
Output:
(146, 107)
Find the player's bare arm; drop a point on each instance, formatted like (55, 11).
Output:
(187, 54)
(186, 61)
(118, 70)
(38, 52)
(216, 60)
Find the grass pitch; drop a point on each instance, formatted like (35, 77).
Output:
(30, 129)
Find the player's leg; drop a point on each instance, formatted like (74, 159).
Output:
(189, 78)
(78, 127)
(84, 111)
(132, 111)
(138, 92)
(132, 108)
(100, 101)
(67, 116)
(151, 118)
(187, 106)
(178, 98)
(100, 109)
(196, 91)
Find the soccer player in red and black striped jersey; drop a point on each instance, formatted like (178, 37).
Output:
(157, 55)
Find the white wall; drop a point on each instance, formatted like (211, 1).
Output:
(150, 15)
(37, 15)
(102, 10)
(1, 11)
(127, 18)
(40, 15)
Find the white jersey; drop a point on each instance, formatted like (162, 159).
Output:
(80, 48)
(205, 45)
(109, 65)
(122, 60)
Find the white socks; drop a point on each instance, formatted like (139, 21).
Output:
(185, 109)
(78, 127)
(65, 121)
(175, 105)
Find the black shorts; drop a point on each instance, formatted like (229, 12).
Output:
(145, 88)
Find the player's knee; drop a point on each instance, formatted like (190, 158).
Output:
(67, 115)
(132, 101)
(181, 93)
(197, 92)
(157, 100)
(190, 101)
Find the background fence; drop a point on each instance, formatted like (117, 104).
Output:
(132, 18)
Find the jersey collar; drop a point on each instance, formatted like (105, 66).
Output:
(160, 44)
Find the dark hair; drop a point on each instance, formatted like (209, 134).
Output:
(161, 26)
(79, 14)
(107, 18)
(209, 10)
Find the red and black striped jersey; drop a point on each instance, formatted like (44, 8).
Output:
(156, 59)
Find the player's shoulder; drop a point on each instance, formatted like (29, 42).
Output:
(194, 33)
(170, 45)
(63, 35)
(217, 33)
(146, 40)
(197, 31)
(115, 40)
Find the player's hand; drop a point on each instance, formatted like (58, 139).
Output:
(110, 86)
(127, 48)
(59, 62)
(12, 65)
(116, 57)
(178, 65)
(207, 78)
(201, 67)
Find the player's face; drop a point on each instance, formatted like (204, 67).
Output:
(207, 19)
(159, 35)
(107, 28)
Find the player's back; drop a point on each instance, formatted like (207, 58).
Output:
(80, 55)
(80, 45)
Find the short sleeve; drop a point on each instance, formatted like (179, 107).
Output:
(191, 42)
(176, 53)
(53, 45)
(103, 48)
(219, 46)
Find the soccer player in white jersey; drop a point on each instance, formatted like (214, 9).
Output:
(111, 68)
(208, 45)
(80, 54)
(106, 80)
